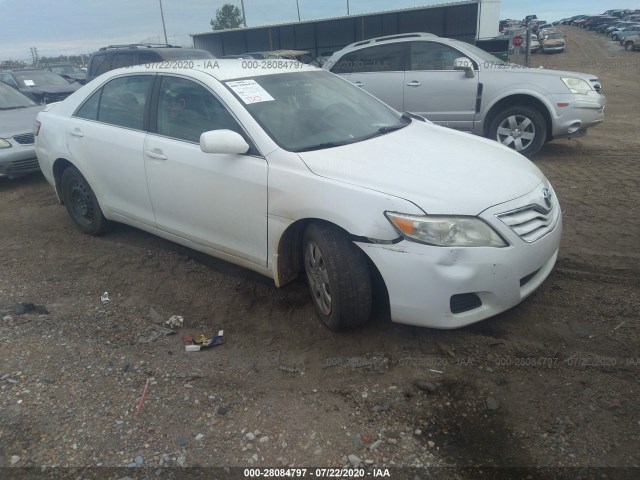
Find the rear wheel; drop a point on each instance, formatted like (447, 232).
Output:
(629, 46)
(81, 203)
(337, 276)
(521, 128)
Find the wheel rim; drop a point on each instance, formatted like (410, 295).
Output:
(517, 132)
(318, 277)
(81, 202)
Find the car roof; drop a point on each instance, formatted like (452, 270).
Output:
(223, 69)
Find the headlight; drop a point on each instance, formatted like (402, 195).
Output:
(577, 85)
(445, 231)
(4, 143)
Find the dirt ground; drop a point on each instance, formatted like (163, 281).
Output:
(554, 382)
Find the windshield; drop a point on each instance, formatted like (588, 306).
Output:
(66, 70)
(314, 110)
(10, 98)
(37, 78)
(554, 36)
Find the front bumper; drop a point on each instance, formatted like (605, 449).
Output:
(18, 159)
(581, 112)
(553, 49)
(427, 284)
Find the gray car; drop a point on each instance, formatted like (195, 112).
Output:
(458, 85)
(17, 117)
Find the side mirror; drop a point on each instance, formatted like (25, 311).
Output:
(223, 141)
(463, 63)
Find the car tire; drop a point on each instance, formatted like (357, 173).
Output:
(615, 38)
(338, 277)
(81, 203)
(629, 46)
(521, 128)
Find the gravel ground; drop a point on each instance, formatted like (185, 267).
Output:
(551, 383)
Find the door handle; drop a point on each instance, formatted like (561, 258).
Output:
(76, 133)
(358, 84)
(157, 154)
(415, 83)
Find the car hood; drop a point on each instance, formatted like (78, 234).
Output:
(543, 72)
(18, 121)
(44, 89)
(440, 170)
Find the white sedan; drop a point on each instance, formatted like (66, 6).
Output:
(286, 169)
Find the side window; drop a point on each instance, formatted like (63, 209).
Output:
(89, 108)
(100, 64)
(432, 56)
(123, 59)
(186, 110)
(123, 101)
(381, 58)
(148, 57)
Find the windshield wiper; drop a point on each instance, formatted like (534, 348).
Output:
(321, 146)
(380, 131)
(384, 130)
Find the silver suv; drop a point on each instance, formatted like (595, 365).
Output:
(458, 85)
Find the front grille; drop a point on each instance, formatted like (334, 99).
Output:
(463, 302)
(23, 166)
(533, 222)
(24, 139)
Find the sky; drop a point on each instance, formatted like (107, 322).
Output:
(72, 27)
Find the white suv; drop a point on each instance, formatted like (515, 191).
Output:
(458, 85)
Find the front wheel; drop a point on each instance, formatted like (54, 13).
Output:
(521, 128)
(337, 276)
(81, 203)
(629, 46)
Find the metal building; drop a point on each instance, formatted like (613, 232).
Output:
(465, 20)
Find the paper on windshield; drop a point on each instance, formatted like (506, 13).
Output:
(250, 91)
(29, 83)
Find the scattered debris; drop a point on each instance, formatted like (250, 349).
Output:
(289, 369)
(201, 342)
(175, 321)
(25, 308)
(425, 386)
(144, 394)
(492, 403)
(105, 298)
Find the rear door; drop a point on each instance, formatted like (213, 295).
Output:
(115, 168)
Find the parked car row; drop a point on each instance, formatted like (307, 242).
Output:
(622, 26)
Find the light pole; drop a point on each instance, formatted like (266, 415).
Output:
(298, 6)
(244, 17)
(163, 27)
(347, 7)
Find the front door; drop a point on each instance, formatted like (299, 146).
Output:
(216, 200)
(432, 87)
